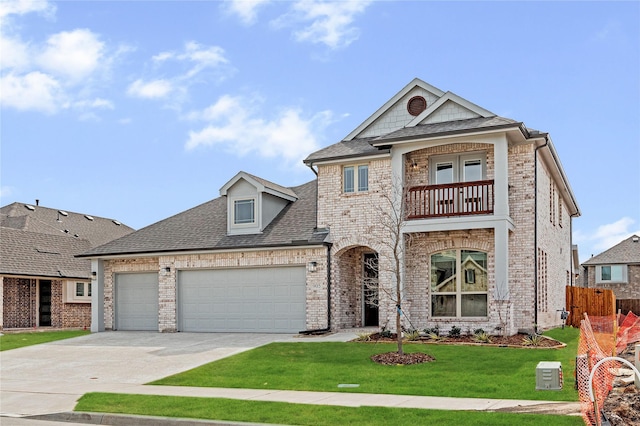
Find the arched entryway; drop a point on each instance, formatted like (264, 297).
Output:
(356, 287)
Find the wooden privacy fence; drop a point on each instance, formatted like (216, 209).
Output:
(594, 301)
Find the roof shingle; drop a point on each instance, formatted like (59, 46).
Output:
(204, 227)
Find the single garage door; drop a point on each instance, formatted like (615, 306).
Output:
(137, 301)
(259, 300)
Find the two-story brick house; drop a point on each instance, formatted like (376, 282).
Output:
(485, 223)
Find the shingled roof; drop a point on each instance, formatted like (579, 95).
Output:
(362, 147)
(33, 218)
(204, 228)
(626, 252)
(446, 128)
(41, 241)
(37, 254)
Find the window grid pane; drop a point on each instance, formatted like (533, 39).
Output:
(244, 211)
(80, 289)
(348, 179)
(363, 178)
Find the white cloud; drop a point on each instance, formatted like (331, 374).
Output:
(151, 90)
(605, 236)
(246, 10)
(73, 54)
(14, 53)
(235, 126)
(199, 56)
(97, 103)
(22, 7)
(33, 91)
(327, 22)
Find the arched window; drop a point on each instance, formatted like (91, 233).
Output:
(459, 283)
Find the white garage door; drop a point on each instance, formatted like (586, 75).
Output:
(137, 301)
(261, 300)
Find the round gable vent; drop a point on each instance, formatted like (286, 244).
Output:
(416, 105)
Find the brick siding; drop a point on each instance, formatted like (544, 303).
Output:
(20, 305)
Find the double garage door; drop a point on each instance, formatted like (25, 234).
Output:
(262, 300)
(259, 300)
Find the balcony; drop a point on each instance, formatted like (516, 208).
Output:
(455, 199)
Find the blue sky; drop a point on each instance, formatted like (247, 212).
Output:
(138, 110)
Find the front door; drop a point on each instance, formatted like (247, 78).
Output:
(370, 289)
(44, 306)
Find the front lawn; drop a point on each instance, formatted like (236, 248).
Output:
(303, 414)
(19, 340)
(459, 371)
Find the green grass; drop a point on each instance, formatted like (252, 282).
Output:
(19, 340)
(460, 371)
(302, 414)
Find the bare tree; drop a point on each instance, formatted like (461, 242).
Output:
(389, 212)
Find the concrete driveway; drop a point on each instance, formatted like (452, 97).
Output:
(49, 378)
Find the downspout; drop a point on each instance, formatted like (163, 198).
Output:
(535, 234)
(328, 245)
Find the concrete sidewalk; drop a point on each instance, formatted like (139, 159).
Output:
(297, 397)
(351, 399)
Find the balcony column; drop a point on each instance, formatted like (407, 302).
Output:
(501, 211)
(501, 177)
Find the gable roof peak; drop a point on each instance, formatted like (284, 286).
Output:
(416, 82)
(262, 185)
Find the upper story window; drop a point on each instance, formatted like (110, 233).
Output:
(244, 211)
(611, 274)
(458, 168)
(459, 283)
(355, 178)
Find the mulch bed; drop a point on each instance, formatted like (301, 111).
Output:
(393, 358)
(515, 341)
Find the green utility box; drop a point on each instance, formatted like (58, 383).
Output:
(549, 375)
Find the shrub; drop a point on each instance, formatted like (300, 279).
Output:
(532, 340)
(455, 331)
(481, 337)
(412, 335)
(363, 337)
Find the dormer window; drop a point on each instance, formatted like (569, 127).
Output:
(244, 211)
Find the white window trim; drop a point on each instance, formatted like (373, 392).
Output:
(459, 293)
(253, 224)
(69, 295)
(458, 162)
(356, 176)
(625, 278)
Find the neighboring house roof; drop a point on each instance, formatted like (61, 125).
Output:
(204, 228)
(44, 220)
(625, 252)
(41, 254)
